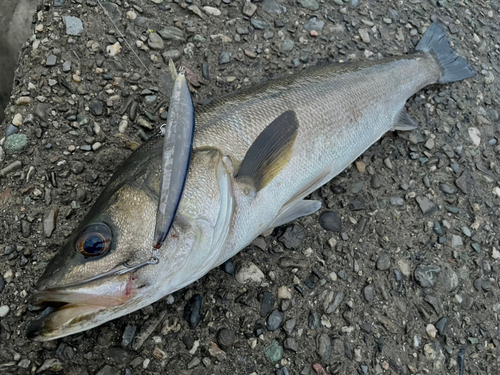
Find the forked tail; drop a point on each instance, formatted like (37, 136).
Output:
(454, 67)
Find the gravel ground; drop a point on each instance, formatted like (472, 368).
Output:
(397, 273)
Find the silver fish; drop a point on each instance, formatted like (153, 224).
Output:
(256, 154)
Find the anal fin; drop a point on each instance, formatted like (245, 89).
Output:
(404, 122)
(294, 211)
(270, 152)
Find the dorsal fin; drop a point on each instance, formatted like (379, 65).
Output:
(270, 152)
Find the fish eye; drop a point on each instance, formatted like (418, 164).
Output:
(95, 240)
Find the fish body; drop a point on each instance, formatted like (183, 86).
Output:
(257, 154)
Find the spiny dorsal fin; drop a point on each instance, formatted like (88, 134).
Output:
(270, 152)
(404, 122)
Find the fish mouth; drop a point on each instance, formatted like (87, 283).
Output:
(68, 312)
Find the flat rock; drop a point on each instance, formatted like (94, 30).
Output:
(249, 273)
(74, 25)
(427, 275)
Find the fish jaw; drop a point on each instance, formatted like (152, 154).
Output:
(73, 310)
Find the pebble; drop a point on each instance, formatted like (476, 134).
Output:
(224, 57)
(287, 45)
(475, 136)
(330, 220)
(51, 60)
(284, 293)
(192, 311)
(4, 310)
(53, 365)
(49, 222)
(225, 339)
(426, 206)
(267, 303)
(172, 33)
(74, 25)
(155, 41)
(368, 293)
(431, 330)
(274, 352)
(128, 335)
(309, 4)
(212, 11)
(17, 120)
(324, 346)
(2, 283)
(249, 272)
(383, 262)
(365, 37)
(314, 25)
(114, 49)
(275, 320)
(441, 325)
(313, 320)
(249, 9)
(427, 275)
(293, 237)
(465, 183)
(15, 143)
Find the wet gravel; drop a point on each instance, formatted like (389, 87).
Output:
(397, 273)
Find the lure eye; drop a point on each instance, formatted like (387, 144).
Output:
(95, 240)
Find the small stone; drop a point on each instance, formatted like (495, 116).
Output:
(456, 241)
(224, 58)
(259, 25)
(475, 136)
(289, 326)
(17, 120)
(172, 33)
(66, 66)
(172, 54)
(49, 222)
(426, 206)
(313, 320)
(225, 339)
(427, 275)
(274, 352)
(212, 11)
(51, 60)
(383, 262)
(249, 273)
(287, 45)
(192, 311)
(291, 344)
(155, 41)
(2, 283)
(74, 25)
(309, 4)
(365, 37)
(324, 347)
(114, 49)
(368, 293)
(284, 293)
(431, 330)
(275, 320)
(430, 144)
(128, 335)
(293, 237)
(465, 183)
(330, 220)
(441, 325)
(249, 9)
(4, 310)
(15, 143)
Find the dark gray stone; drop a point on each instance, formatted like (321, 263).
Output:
(293, 237)
(225, 339)
(330, 220)
(192, 311)
(427, 275)
(383, 262)
(275, 320)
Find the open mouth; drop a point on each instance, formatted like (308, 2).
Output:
(68, 312)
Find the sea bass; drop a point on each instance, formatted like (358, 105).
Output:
(257, 154)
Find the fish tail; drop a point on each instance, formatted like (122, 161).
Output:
(454, 68)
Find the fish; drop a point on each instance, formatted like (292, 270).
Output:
(257, 153)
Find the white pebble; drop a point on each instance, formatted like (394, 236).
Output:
(495, 254)
(284, 293)
(249, 273)
(431, 330)
(4, 310)
(496, 191)
(475, 136)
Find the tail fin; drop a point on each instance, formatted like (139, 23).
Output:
(454, 67)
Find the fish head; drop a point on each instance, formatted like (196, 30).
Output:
(89, 281)
(83, 286)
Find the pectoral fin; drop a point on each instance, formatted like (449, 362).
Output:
(405, 122)
(270, 152)
(294, 211)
